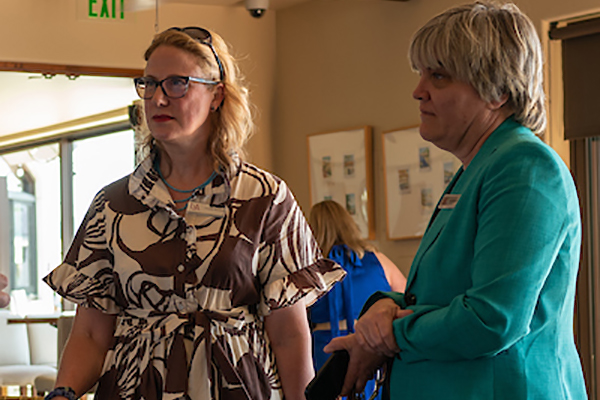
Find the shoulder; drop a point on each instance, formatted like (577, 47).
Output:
(520, 156)
(118, 198)
(393, 274)
(252, 181)
(250, 174)
(383, 259)
(521, 146)
(521, 168)
(119, 185)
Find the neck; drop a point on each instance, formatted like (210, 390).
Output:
(186, 173)
(469, 152)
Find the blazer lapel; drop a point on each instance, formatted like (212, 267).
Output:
(465, 175)
(432, 231)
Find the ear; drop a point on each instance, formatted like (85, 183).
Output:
(495, 105)
(218, 96)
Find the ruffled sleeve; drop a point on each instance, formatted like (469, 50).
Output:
(291, 264)
(86, 276)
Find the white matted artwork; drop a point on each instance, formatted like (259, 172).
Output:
(415, 175)
(341, 169)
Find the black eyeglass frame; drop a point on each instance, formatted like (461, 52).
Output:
(203, 36)
(187, 80)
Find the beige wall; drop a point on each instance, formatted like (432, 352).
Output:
(56, 32)
(342, 63)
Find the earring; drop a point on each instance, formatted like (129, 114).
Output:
(212, 109)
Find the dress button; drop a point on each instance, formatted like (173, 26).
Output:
(181, 268)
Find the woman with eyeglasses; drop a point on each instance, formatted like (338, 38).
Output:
(192, 274)
(488, 309)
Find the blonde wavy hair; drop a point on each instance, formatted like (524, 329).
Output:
(332, 225)
(233, 120)
(495, 48)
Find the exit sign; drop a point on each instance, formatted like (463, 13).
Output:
(106, 9)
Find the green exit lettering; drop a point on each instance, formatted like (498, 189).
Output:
(109, 9)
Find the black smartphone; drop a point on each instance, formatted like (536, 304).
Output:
(328, 382)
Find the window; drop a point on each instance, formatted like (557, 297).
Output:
(23, 263)
(98, 161)
(45, 191)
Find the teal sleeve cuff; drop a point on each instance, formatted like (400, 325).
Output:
(375, 297)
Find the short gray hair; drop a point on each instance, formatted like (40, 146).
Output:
(493, 47)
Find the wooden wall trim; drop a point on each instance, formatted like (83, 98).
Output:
(69, 70)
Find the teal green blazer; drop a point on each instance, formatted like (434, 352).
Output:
(494, 282)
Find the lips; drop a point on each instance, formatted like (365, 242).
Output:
(424, 112)
(161, 118)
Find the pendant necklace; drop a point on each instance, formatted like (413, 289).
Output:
(190, 191)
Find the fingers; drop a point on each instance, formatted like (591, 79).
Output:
(4, 297)
(361, 368)
(375, 329)
(401, 313)
(338, 343)
(368, 334)
(353, 376)
(382, 340)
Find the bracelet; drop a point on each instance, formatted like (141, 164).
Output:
(67, 392)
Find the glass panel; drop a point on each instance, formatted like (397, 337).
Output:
(23, 255)
(97, 162)
(32, 183)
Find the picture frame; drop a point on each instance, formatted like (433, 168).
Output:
(416, 172)
(340, 168)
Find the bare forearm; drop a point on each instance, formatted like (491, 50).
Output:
(81, 364)
(289, 334)
(83, 357)
(294, 362)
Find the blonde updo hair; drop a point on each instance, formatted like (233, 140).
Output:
(332, 225)
(232, 121)
(493, 47)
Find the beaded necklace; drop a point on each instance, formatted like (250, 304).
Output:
(192, 191)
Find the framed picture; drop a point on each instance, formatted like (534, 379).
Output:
(415, 175)
(340, 168)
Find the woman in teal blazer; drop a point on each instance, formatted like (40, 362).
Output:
(488, 308)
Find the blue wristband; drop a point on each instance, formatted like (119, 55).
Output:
(62, 391)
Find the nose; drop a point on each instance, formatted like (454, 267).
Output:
(159, 97)
(420, 93)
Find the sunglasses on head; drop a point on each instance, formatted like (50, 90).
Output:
(203, 36)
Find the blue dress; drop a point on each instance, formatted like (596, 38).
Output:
(344, 302)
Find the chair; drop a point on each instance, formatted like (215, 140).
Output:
(16, 367)
(45, 383)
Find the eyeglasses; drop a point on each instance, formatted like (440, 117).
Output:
(203, 36)
(174, 87)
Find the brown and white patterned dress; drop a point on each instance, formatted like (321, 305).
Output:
(191, 293)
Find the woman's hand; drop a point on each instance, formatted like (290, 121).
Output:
(374, 329)
(362, 366)
(4, 297)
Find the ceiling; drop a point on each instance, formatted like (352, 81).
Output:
(273, 4)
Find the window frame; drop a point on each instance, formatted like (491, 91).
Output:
(65, 134)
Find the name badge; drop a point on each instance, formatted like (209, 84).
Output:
(448, 201)
(205, 209)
